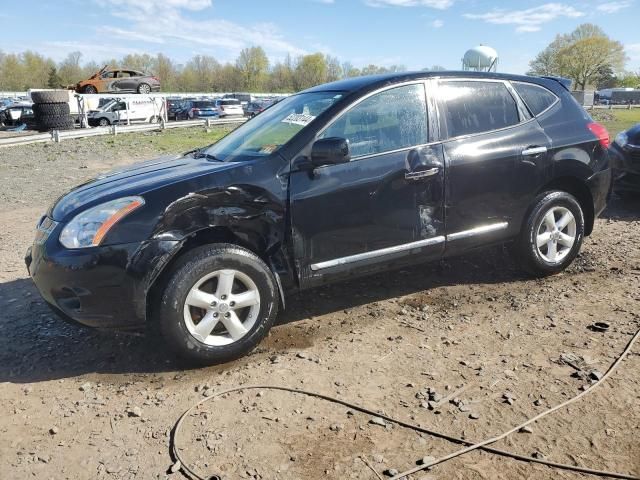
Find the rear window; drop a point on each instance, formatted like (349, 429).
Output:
(537, 98)
(476, 107)
(203, 104)
(231, 101)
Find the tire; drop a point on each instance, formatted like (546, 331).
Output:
(557, 253)
(103, 122)
(50, 96)
(202, 268)
(51, 109)
(154, 119)
(144, 88)
(55, 122)
(89, 89)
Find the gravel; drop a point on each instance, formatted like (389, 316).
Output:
(85, 383)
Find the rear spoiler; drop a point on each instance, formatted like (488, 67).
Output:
(565, 82)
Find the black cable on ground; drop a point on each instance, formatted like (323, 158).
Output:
(470, 446)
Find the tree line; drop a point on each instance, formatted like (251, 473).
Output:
(252, 71)
(589, 57)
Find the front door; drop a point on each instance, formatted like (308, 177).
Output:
(385, 204)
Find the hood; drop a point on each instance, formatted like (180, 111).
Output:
(136, 179)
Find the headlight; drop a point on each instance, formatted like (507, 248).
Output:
(89, 228)
(622, 139)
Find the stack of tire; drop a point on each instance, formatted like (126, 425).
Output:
(51, 110)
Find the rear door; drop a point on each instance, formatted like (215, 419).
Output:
(383, 206)
(492, 147)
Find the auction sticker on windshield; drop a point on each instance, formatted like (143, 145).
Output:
(303, 119)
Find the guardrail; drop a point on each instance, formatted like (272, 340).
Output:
(59, 135)
(612, 107)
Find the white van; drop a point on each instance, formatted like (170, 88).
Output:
(127, 110)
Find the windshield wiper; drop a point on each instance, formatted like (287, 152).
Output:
(201, 154)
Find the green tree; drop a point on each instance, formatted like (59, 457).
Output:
(54, 80)
(70, 70)
(582, 55)
(253, 65)
(311, 70)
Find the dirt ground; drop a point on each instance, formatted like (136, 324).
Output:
(81, 404)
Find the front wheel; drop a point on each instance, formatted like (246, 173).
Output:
(552, 234)
(90, 89)
(219, 303)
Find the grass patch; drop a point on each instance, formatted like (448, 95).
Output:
(616, 121)
(175, 140)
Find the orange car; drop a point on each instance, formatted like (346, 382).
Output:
(123, 80)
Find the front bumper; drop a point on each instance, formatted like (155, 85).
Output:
(626, 165)
(102, 287)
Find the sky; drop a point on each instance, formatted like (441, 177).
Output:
(413, 33)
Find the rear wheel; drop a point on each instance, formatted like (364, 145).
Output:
(219, 303)
(144, 88)
(552, 234)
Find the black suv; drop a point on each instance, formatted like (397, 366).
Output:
(343, 179)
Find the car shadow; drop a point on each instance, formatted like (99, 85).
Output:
(625, 209)
(35, 345)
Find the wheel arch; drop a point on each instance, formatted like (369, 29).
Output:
(579, 189)
(207, 236)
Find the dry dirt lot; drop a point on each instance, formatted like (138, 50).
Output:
(80, 404)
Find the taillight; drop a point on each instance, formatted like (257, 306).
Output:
(600, 132)
(195, 110)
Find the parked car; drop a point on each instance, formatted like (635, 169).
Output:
(254, 108)
(194, 109)
(243, 98)
(124, 80)
(142, 109)
(229, 107)
(17, 114)
(337, 181)
(625, 153)
(173, 105)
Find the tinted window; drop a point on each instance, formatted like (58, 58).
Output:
(203, 104)
(476, 107)
(537, 98)
(229, 102)
(386, 121)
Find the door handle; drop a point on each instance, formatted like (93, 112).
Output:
(534, 151)
(421, 174)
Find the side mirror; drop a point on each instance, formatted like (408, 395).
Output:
(330, 151)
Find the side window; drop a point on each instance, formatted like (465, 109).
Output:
(476, 107)
(537, 98)
(389, 120)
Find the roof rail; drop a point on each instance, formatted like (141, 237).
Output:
(565, 82)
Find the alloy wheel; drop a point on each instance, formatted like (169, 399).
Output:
(556, 234)
(222, 307)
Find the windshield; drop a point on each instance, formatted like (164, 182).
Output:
(274, 127)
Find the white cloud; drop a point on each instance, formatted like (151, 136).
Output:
(529, 20)
(164, 22)
(438, 4)
(613, 7)
(437, 23)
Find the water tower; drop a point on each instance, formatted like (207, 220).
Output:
(480, 59)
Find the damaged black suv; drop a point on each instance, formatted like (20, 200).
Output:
(343, 179)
